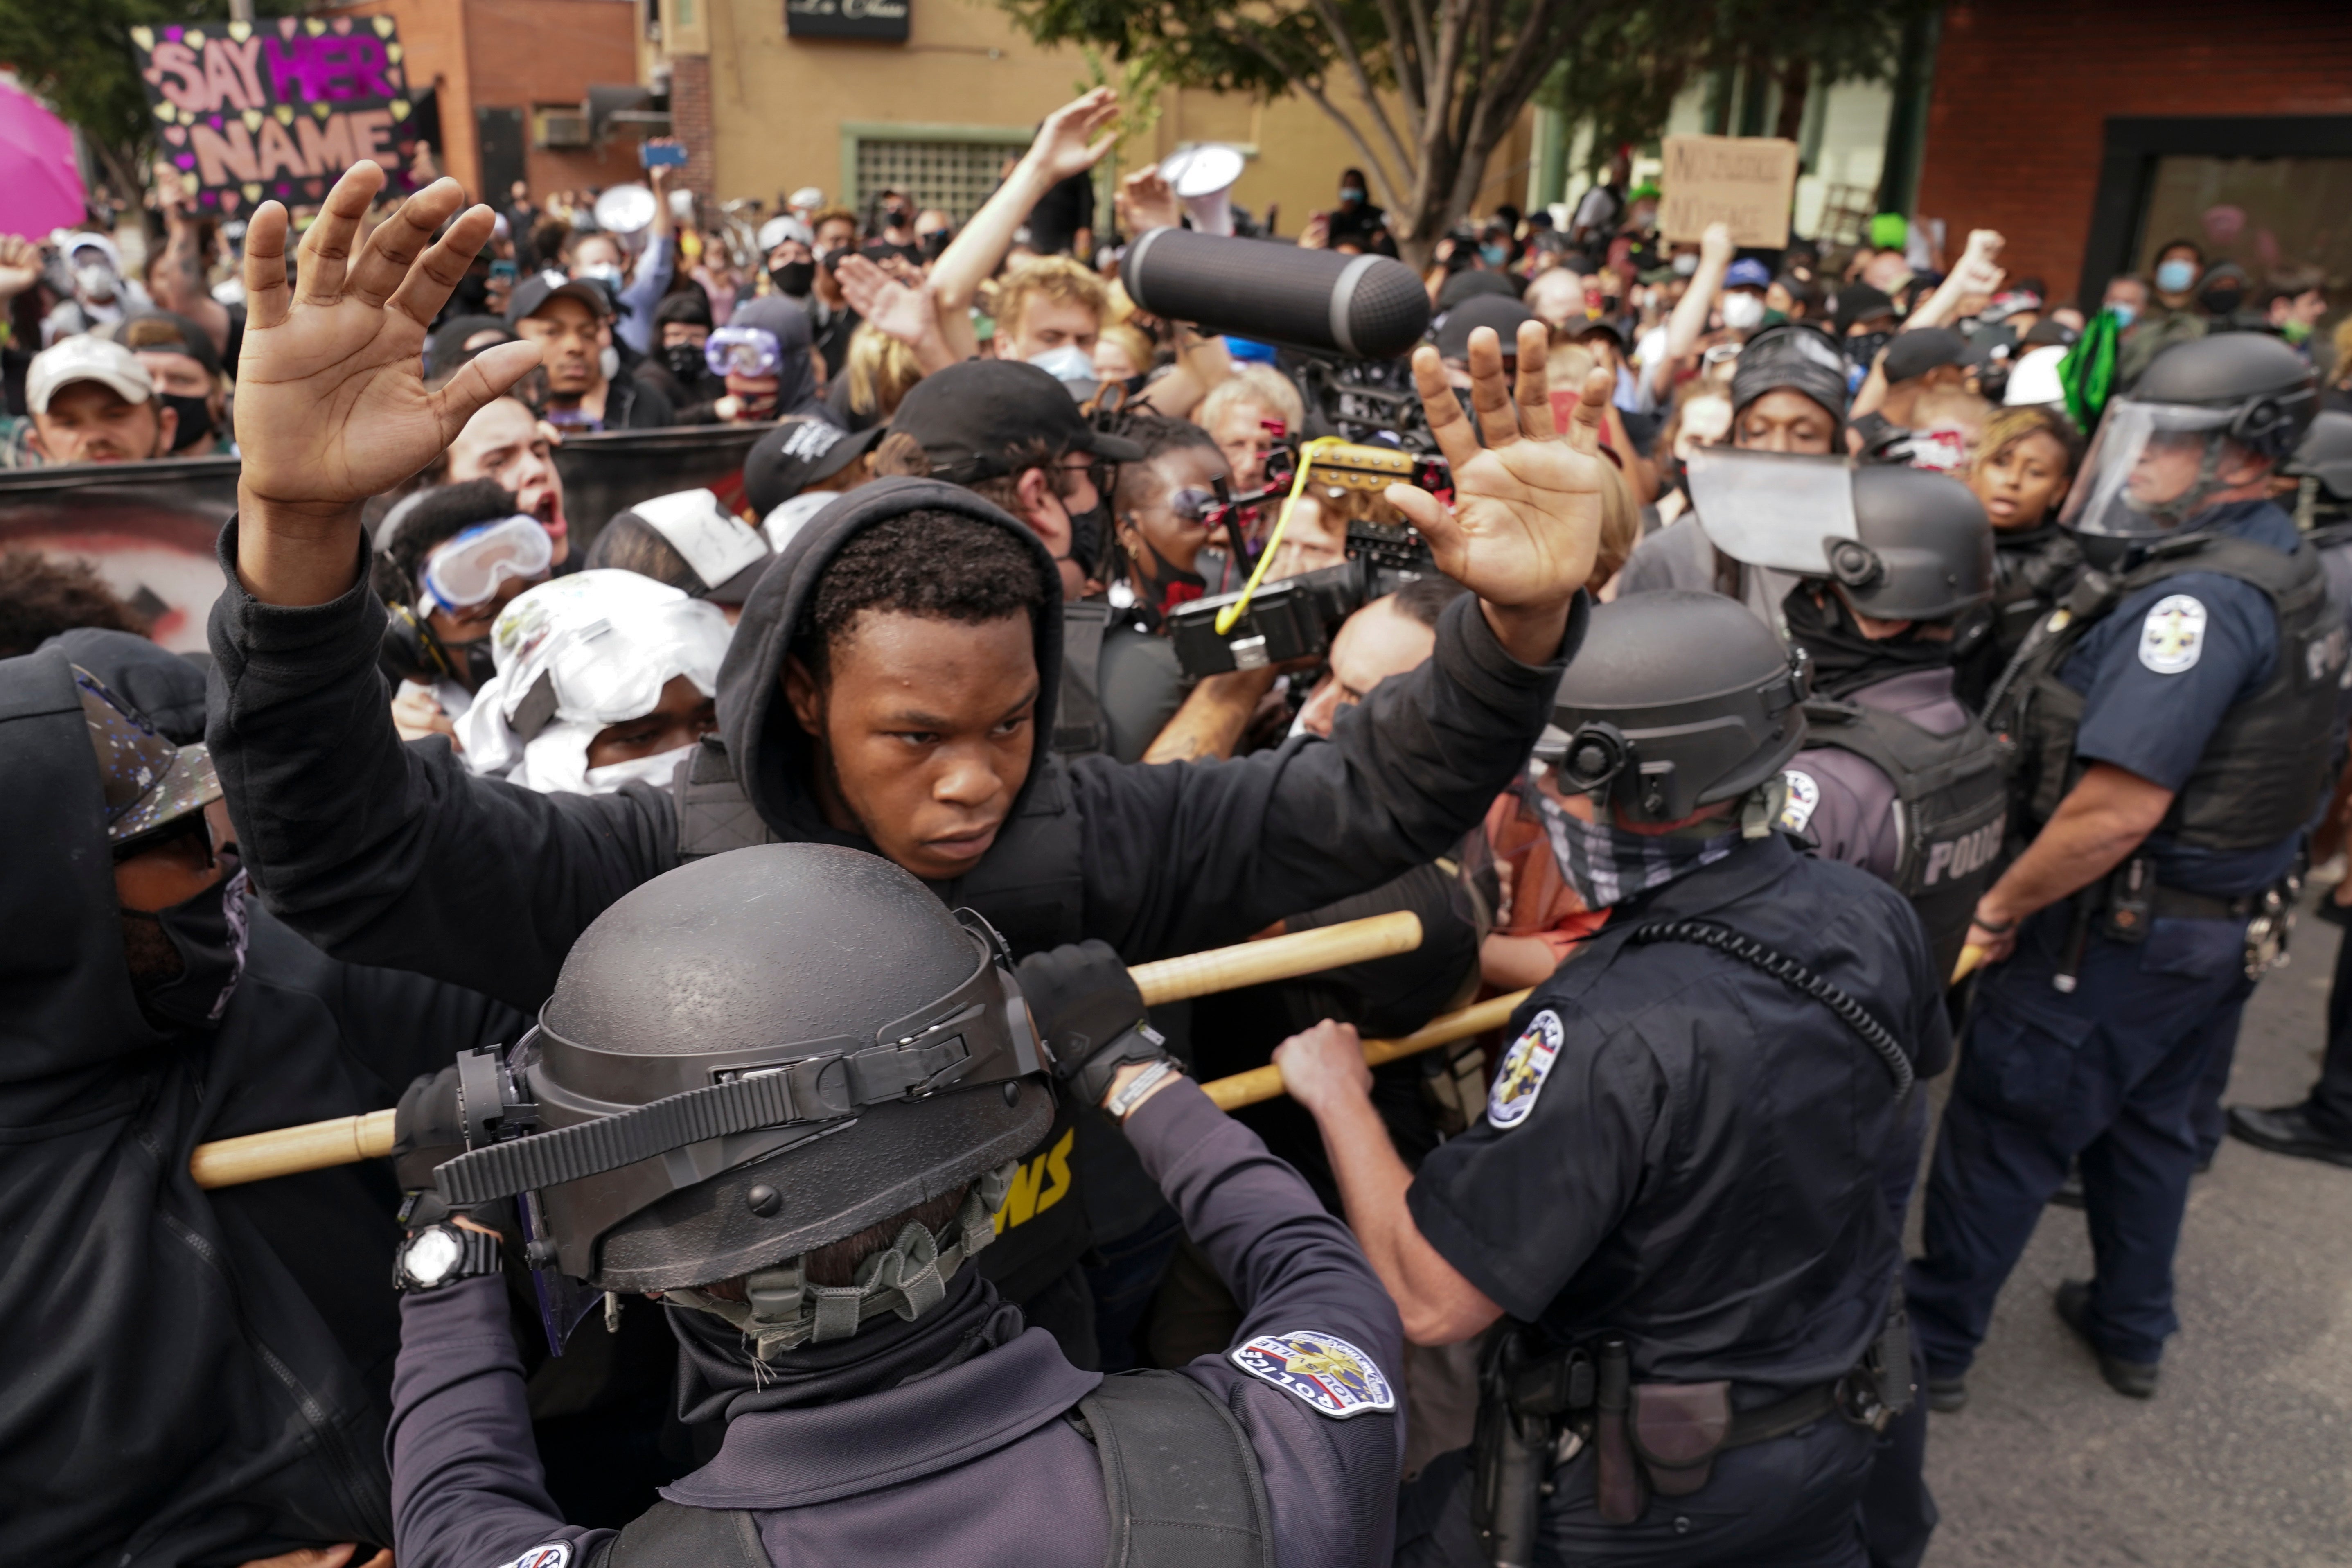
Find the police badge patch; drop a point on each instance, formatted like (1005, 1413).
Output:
(2172, 638)
(1331, 1375)
(1804, 795)
(1525, 1067)
(554, 1555)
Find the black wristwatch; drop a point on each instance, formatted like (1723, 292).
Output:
(442, 1255)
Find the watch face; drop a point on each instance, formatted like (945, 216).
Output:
(432, 1256)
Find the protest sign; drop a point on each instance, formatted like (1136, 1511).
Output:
(280, 108)
(1742, 181)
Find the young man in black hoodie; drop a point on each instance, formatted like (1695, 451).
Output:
(193, 1376)
(400, 857)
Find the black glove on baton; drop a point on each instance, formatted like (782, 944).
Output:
(1089, 1014)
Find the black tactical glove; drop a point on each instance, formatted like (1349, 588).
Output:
(1089, 1014)
(428, 1130)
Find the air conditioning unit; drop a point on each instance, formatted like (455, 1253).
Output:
(562, 128)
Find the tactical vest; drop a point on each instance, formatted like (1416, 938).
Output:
(1182, 1483)
(1951, 806)
(2265, 763)
(1028, 886)
(2027, 581)
(1078, 729)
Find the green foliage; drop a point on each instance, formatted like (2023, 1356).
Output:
(77, 58)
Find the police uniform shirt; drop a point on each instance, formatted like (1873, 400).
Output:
(1843, 805)
(2159, 674)
(1680, 1148)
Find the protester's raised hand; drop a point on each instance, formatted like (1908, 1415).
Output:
(1070, 143)
(1146, 201)
(331, 405)
(907, 312)
(1525, 520)
(1714, 247)
(20, 266)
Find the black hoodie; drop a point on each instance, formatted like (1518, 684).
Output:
(186, 1377)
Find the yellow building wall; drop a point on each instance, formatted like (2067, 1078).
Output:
(779, 104)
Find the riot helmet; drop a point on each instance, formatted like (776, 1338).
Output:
(2323, 465)
(1674, 701)
(2200, 414)
(746, 1059)
(1901, 544)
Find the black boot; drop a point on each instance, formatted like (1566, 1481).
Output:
(2288, 1130)
(2133, 1379)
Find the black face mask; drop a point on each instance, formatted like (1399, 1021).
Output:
(686, 361)
(1863, 351)
(1088, 529)
(472, 295)
(2222, 301)
(195, 418)
(207, 935)
(793, 277)
(935, 244)
(1843, 659)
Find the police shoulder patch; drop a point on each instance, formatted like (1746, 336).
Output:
(554, 1555)
(2172, 637)
(1805, 794)
(1331, 1375)
(1525, 1067)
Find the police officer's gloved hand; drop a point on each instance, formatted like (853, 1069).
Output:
(427, 1129)
(1089, 1014)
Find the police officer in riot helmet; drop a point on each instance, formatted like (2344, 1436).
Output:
(1677, 1193)
(2175, 723)
(2320, 1126)
(787, 1094)
(1897, 778)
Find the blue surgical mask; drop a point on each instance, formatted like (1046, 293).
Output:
(2175, 276)
(1351, 192)
(1495, 254)
(2124, 314)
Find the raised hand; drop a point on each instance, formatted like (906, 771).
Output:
(20, 266)
(1525, 520)
(1145, 202)
(1068, 142)
(908, 312)
(331, 405)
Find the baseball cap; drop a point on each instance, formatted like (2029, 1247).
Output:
(1923, 349)
(1747, 273)
(1606, 326)
(534, 291)
(1496, 311)
(160, 332)
(970, 417)
(726, 554)
(801, 451)
(85, 358)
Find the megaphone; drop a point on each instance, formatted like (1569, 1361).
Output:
(1203, 178)
(626, 209)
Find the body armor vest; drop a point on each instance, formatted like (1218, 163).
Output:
(2028, 578)
(1027, 885)
(1951, 809)
(1078, 707)
(2265, 763)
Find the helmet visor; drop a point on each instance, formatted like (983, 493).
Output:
(1772, 509)
(2151, 467)
(467, 570)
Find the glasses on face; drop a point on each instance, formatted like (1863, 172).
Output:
(1103, 472)
(1195, 505)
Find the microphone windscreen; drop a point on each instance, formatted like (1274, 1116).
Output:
(1362, 307)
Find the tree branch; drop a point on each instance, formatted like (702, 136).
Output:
(1248, 35)
(1332, 24)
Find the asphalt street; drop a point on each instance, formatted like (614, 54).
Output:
(2245, 1456)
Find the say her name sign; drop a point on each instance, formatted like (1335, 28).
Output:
(1742, 181)
(251, 110)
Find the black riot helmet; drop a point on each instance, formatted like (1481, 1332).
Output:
(1922, 549)
(748, 1057)
(1676, 700)
(2323, 459)
(2199, 409)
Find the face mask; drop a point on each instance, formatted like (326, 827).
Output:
(603, 272)
(2222, 301)
(656, 770)
(2295, 331)
(1604, 865)
(793, 277)
(1685, 265)
(685, 362)
(208, 933)
(935, 244)
(1351, 195)
(1495, 254)
(608, 364)
(1072, 366)
(195, 418)
(2124, 314)
(2175, 276)
(1742, 311)
(1088, 529)
(94, 280)
(1776, 319)
(473, 294)
(1863, 351)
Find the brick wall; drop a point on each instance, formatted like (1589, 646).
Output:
(2023, 89)
(690, 120)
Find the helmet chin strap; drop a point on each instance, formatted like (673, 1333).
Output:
(782, 1310)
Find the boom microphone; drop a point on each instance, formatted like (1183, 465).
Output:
(1363, 307)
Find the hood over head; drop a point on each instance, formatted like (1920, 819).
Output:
(772, 755)
(796, 380)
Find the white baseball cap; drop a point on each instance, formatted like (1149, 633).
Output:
(86, 358)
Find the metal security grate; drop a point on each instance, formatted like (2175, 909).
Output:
(954, 176)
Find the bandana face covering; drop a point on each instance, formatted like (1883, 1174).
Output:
(208, 931)
(1605, 865)
(1843, 659)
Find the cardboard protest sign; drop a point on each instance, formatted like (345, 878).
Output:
(256, 110)
(1743, 181)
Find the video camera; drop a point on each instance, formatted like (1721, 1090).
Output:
(1294, 617)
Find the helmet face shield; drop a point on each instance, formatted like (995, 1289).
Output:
(1772, 509)
(2151, 467)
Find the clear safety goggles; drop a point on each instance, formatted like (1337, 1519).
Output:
(612, 670)
(743, 351)
(467, 570)
(2149, 468)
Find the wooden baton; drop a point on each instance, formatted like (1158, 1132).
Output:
(1266, 1083)
(344, 1139)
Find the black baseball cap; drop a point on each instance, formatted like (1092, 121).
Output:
(803, 449)
(971, 417)
(537, 289)
(1915, 352)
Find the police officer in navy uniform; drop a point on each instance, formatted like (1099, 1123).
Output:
(2175, 721)
(1676, 1194)
(781, 1092)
